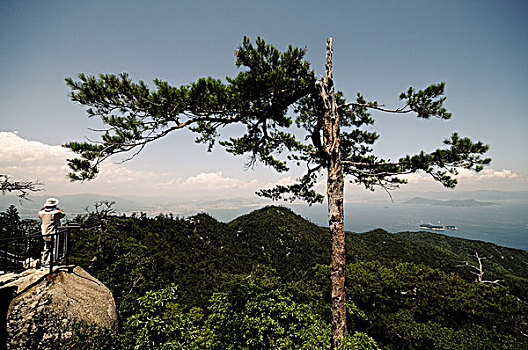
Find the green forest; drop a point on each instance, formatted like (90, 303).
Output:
(262, 281)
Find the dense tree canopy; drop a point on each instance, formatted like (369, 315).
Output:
(259, 98)
(232, 293)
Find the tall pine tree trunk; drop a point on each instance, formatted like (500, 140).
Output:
(335, 187)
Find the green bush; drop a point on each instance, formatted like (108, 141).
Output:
(253, 312)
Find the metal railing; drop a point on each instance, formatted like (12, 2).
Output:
(19, 253)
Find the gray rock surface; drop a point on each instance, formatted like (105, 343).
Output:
(45, 306)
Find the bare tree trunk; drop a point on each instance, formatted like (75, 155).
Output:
(335, 192)
(480, 270)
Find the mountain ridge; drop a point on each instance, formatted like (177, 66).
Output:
(76, 203)
(433, 249)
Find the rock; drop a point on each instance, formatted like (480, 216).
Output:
(45, 306)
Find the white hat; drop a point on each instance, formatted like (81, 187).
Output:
(51, 202)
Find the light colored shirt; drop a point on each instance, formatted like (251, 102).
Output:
(50, 217)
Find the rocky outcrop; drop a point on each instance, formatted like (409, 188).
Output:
(45, 306)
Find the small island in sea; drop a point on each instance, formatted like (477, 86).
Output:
(449, 203)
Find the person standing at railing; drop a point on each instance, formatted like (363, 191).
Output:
(50, 215)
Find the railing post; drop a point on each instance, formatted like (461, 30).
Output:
(58, 242)
(66, 248)
(6, 246)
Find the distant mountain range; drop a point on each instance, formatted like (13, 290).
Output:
(78, 203)
(72, 204)
(75, 204)
(449, 203)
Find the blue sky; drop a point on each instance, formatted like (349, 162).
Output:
(478, 48)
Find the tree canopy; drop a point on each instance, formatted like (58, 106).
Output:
(232, 294)
(259, 98)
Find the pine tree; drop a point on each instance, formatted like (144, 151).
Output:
(10, 224)
(259, 98)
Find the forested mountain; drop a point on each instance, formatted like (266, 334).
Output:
(280, 232)
(445, 253)
(261, 282)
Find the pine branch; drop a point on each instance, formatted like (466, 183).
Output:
(377, 107)
(23, 187)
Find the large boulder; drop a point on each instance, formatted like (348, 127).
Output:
(45, 306)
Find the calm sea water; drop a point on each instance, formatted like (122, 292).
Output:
(505, 224)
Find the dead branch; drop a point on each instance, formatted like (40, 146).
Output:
(480, 270)
(23, 187)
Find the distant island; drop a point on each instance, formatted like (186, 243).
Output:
(449, 203)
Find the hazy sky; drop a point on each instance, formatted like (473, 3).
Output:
(478, 48)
